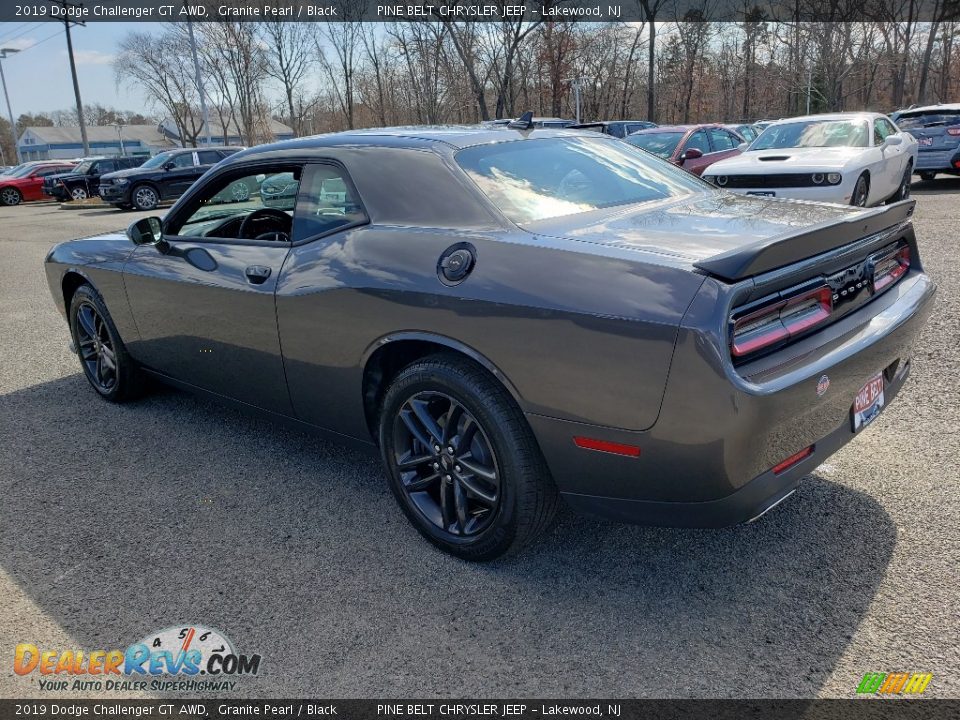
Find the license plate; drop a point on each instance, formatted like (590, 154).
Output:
(868, 402)
(924, 141)
(764, 193)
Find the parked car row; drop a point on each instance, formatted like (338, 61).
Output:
(83, 181)
(24, 183)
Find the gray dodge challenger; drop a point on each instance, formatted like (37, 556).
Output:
(510, 317)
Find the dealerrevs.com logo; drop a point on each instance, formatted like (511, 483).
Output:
(185, 653)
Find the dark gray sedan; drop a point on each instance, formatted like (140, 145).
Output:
(511, 317)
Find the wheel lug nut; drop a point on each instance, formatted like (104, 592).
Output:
(436, 466)
(436, 448)
(458, 468)
(450, 449)
(447, 478)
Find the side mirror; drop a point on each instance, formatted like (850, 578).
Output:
(147, 231)
(742, 147)
(893, 140)
(169, 165)
(691, 154)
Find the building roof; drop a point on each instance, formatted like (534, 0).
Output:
(146, 134)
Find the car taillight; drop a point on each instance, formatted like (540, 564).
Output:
(781, 320)
(955, 131)
(890, 268)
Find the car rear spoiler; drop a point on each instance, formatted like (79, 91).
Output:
(782, 250)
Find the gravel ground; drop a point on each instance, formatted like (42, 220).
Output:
(119, 521)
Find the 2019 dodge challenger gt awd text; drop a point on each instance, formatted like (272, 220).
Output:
(510, 317)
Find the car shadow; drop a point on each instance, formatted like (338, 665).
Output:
(939, 185)
(118, 521)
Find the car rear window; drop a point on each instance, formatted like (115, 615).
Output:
(929, 118)
(532, 180)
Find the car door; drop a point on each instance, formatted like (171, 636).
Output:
(179, 174)
(32, 186)
(92, 178)
(885, 170)
(723, 144)
(204, 305)
(699, 141)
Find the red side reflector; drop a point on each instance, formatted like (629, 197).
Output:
(792, 460)
(606, 446)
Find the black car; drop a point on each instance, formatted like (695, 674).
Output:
(163, 177)
(617, 128)
(514, 316)
(84, 180)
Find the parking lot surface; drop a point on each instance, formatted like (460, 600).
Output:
(118, 521)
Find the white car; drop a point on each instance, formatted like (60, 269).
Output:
(848, 158)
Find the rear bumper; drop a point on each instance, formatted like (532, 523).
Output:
(707, 461)
(761, 494)
(938, 160)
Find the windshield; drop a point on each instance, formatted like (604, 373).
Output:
(533, 180)
(157, 160)
(928, 118)
(83, 167)
(814, 134)
(661, 143)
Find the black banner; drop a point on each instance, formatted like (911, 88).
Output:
(854, 709)
(476, 10)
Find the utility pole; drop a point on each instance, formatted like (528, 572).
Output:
(67, 22)
(13, 127)
(196, 70)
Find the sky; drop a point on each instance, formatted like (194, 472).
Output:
(38, 77)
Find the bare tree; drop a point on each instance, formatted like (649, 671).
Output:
(289, 56)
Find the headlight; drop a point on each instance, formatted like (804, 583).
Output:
(834, 178)
(817, 178)
(120, 181)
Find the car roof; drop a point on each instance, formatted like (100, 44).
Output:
(440, 138)
(928, 108)
(830, 116)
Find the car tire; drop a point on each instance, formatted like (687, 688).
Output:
(104, 359)
(487, 492)
(861, 191)
(927, 176)
(145, 197)
(10, 197)
(903, 192)
(79, 193)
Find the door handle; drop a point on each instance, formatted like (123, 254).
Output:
(257, 274)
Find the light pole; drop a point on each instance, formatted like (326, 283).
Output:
(576, 83)
(67, 22)
(13, 128)
(119, 127)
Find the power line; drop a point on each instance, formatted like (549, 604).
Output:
(19, 32)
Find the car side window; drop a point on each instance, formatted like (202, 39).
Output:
(880, 132)
(327, 202)
(615, 129)
(208, 157)
(104, 166)
(721, 140)
(224, 205)
(699, 141)
(183, 160)
(891, 128)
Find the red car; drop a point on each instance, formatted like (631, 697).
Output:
(692, 147)
(25, 184)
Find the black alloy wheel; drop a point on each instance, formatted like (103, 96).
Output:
(447, 466)
(104, 359)
(861, 192)
(95, 347)
(462, 461)
(10, 196)
(145, 197)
